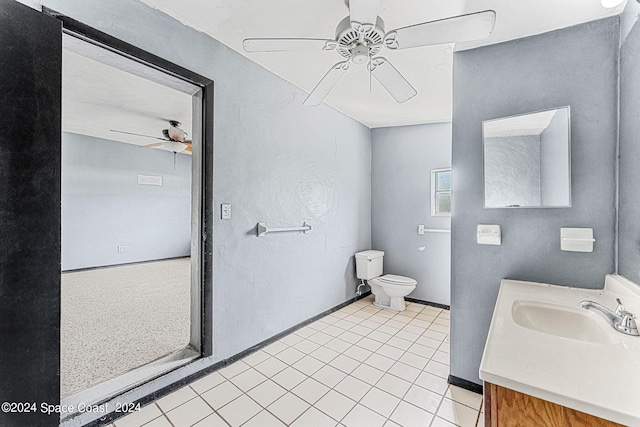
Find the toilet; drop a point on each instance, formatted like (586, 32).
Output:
(389, 290)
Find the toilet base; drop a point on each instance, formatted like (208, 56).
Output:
(395, 304)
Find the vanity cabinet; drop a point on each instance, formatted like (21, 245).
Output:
(507, 408)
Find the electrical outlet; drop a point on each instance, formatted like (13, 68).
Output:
(226, 211)
(120, 249)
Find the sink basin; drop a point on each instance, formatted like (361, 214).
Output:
(562, 321)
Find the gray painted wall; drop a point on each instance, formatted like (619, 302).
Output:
(402, 160)
(275, 161)
(512, 171)
(629, 186)
(554, 158)
(576, 67)
(103, 206)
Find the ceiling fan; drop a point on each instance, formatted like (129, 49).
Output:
(175, 139)
(361, 36)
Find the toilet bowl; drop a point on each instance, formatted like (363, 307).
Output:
(389, 289)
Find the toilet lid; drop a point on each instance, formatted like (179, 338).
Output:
(397, 280)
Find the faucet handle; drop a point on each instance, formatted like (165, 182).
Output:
(620, 310)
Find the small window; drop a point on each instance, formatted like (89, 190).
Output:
(441, 192)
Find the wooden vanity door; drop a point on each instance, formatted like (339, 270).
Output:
(508, 408)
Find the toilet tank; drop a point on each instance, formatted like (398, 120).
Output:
(369, 264)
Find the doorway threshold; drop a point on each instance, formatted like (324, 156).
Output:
(107, 390)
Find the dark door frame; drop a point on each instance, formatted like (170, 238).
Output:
(93, 36)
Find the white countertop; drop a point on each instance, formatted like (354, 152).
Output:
(601, 379)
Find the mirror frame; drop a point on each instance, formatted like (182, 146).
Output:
(484, 201)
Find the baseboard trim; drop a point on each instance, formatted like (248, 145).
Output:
(467, 385)
(110, 417)
(432, 304)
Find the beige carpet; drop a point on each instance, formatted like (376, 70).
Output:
(115, 319)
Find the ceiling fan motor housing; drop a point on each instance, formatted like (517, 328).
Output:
(350, 46)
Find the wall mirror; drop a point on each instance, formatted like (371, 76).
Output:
(527, 160)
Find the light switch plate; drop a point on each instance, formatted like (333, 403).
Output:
(225, 211)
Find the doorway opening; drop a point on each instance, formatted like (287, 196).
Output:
(136, 187)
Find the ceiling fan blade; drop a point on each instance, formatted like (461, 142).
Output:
(363, 12)
(284, 45)
(137, 134)
(155, 144)
(327, 83)
(189, 146)
(462, 28)
(391, 79)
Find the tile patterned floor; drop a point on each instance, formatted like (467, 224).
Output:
(357, 367)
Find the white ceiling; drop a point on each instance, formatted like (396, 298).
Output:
(428, 69)
(99, 96)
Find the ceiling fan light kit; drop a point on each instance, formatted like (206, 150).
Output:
(361, 36)
(175, 138)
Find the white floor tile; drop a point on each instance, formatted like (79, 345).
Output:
(357, 353)
(438, 369)
(334, 331)
(239, 411)
(324, 354)
(429, 333)
(408, 415)
(361, 416)
(353, 388)
(161, 422)
(380, 401)
(308, 365)
(288, 408)
(139, 418)
(394, 385)
(291, 339)
(429, 342)
(380, 362)
(275, 348)
(391, 352)
(189, 413)
(344, 363)
(207, 383)
(441, 357)
(432, 382)
(458, 413)
(368, 374)
(439, 422)
(248, 379)
(466, 397)
(400, 343)
(338, 345)
(414, 328)
(361, 330)
(423, 398)
(350, 337)
(221, 394)
(414, 360)
(310, 390)
(439, 328)
(267, 393)
(379, 336)
(344, 324)
(263, 419)
(176, 398)
(289, 378)
(270, 367)
(445, 347)
(320, 338)
(212, 420)
(409, 336)
(290, 355)
(388, 329)
(406, 372)
(369, 344)
(234, 369)
(422, 350)
(306, 346)
(335, 405)
(314, 418)
(319, 325)
(259, 356)
(305, 332)
(329, 376)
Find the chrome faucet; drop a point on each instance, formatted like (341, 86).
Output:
(621, 319)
